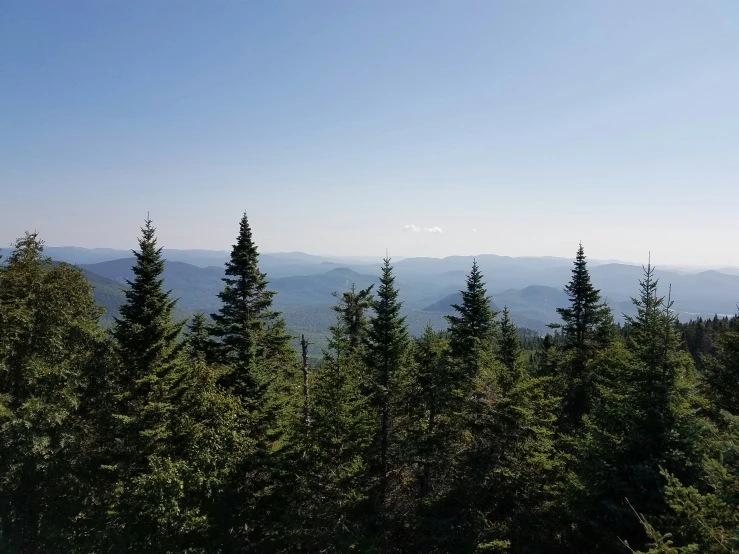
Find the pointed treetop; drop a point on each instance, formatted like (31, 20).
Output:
(586, 317)
(145, 333)
(509, 351)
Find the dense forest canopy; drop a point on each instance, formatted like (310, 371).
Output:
(149, 435)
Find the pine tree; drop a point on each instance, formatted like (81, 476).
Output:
(509, 479)
(646, 421)
(586, 315)
(199, 344)
(327, 510)
(49, 336)
(252, 336)
(143, 504)
(509, 351)
(705, 516)
(352, 308)
(587, 325)
(387, 349)
(472, 329)
(429, 396)
(720, 375)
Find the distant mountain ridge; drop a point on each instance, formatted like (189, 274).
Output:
(530, 287)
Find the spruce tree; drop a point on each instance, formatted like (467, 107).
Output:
(49, 337)
(259, 365)
(703, 518)
(251, 335)
(327, 510)
(352, 307)
(509, 350)
(646, 422)
(509, 480)
(472, 329)
(199, 344)
(429, 396)
(586, 315)
(387, 350)
(587, 325)
(142, 507)
(720, 376)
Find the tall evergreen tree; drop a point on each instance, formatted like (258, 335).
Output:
(429, 395)
(143, 507)
(587, 325)
(352, 308)
(260, 369)
(327, 511)
(252, 336)
(472, 329)
(586, 316)
(646, 421)
(509, 480)
(509, 350)
(387, 350)
(49, 335)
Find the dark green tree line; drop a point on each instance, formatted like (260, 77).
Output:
(211, 436)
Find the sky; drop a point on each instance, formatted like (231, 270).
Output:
(417, 127)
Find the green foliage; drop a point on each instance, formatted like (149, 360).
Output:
(588, 325)
(48, 336)
(477, 439)
(645, 420)
(251, 334)
(328, 511)
(705, 516)
(720, 376)
(509, 477)
(586, 318)
(142, 504)
(472, 329)
(430, 394)
(387, 349)
(198, 342)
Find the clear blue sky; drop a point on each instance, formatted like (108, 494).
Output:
(516, 127)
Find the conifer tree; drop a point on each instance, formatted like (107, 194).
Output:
(472, 329)
(705, 516)
(252, 336)
(143, 508)
(587, 325)
(328, 508)
(49, 335)
(387, 350)
(586, 314)
(509, 350)
(199, 344)
(352, 308)
(509, 479)
(720, 376)
(429, 395)
(646, 421)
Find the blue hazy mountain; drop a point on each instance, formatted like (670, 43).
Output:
(531, 287)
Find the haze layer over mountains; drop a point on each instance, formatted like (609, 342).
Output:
(531, 287)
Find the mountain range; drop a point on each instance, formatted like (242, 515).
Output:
(531, 287)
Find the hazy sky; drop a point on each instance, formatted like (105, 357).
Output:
(348, 127)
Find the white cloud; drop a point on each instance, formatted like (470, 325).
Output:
(416, 229)
(474, 230)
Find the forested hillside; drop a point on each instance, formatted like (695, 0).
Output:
(148, 434)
